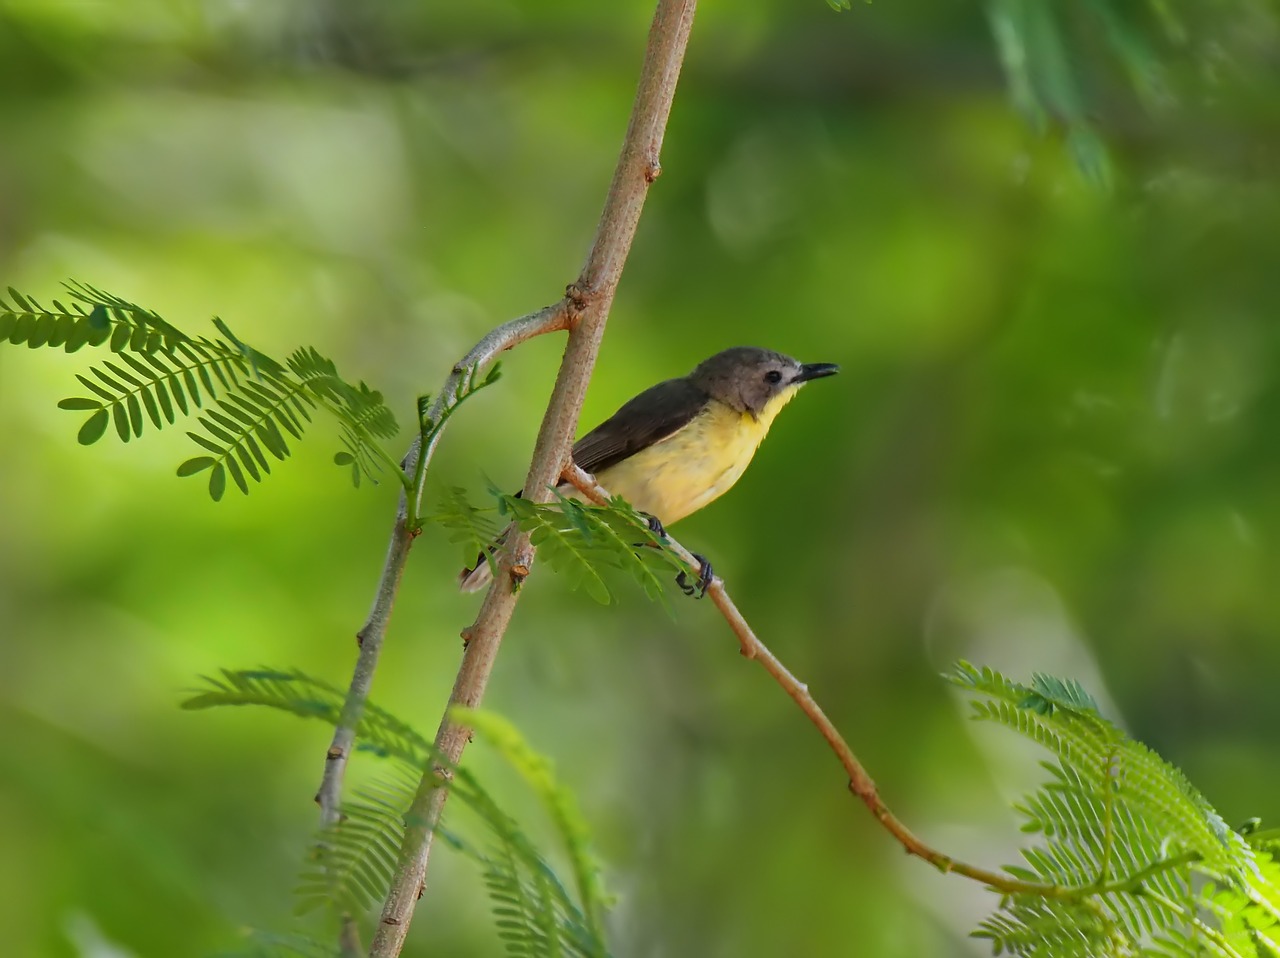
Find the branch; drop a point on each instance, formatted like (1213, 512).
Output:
(587, 307)
(860, 783)
(547, 320)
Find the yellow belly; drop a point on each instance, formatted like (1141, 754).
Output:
(687, 470)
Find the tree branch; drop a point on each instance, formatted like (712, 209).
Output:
(407, 523)
(588, 302)
(547, 320)
(861, 783)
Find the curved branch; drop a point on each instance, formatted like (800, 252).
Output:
(860, 782)
(550, 319)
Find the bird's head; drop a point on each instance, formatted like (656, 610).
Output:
(756, 382)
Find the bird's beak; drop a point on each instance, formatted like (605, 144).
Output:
(815, 371)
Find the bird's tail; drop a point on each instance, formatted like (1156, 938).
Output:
(479, 574)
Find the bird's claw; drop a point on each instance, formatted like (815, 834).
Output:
(699, 588)
(655, 525)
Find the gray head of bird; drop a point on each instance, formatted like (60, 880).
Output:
(752, 380)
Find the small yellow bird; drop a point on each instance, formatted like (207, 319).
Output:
(684, 442)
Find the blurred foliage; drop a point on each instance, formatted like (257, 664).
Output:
(1134, 860)
(1156, 869)
(1049, 449)
(354, 859)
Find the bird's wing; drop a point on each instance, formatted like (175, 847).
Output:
(655, 414)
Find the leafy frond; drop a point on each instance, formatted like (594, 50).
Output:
(247, 404)
(1126, 838)
(264, 944)
(559, 802)
(1038, 41)
(303, 695)
(473, 528)
(91, 319)
(580, 540)
(353, 861)
(360, 410)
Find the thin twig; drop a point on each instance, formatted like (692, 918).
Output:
(590, 298)
(547, 320)
(370, 637)
(861, 783)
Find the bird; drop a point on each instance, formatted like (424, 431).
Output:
(683, 443)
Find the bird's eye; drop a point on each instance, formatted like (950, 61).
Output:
(773, 376)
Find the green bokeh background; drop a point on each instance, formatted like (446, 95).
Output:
(1052, 446)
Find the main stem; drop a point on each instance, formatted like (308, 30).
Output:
(591, 296)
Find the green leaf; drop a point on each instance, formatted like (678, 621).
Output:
(40, 333)
(121, 418)
(94, 387)
(234, 468)
(157, 371)
(135, 413)
(211, 446)
(78, 402)
(152, 409)
(1113, 812)
(271, 438)
(22, 329)
(196, 464)
(166, 404)
(93, 429)
(217, 482)
(343, 458)
(22, 303)
(247, 458)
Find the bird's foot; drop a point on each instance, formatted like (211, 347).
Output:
(699, 588)
(655, 525)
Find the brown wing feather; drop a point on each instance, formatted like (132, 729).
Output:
(655, 414)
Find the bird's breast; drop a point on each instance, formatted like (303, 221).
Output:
(700, 462)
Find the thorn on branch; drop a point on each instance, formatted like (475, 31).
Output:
(334, 753)
(466, 636)
(519, 572)
(360, 639)
(576, 293)
(653, 170)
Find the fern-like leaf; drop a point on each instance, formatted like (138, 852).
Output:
(465, 524)
(580, 540)
(360, 410)
(1125, 834)
(245, 402)
(264, 944)
(559, 802)
(353, 861)
(303, 695)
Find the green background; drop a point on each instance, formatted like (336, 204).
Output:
(1052, 446)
